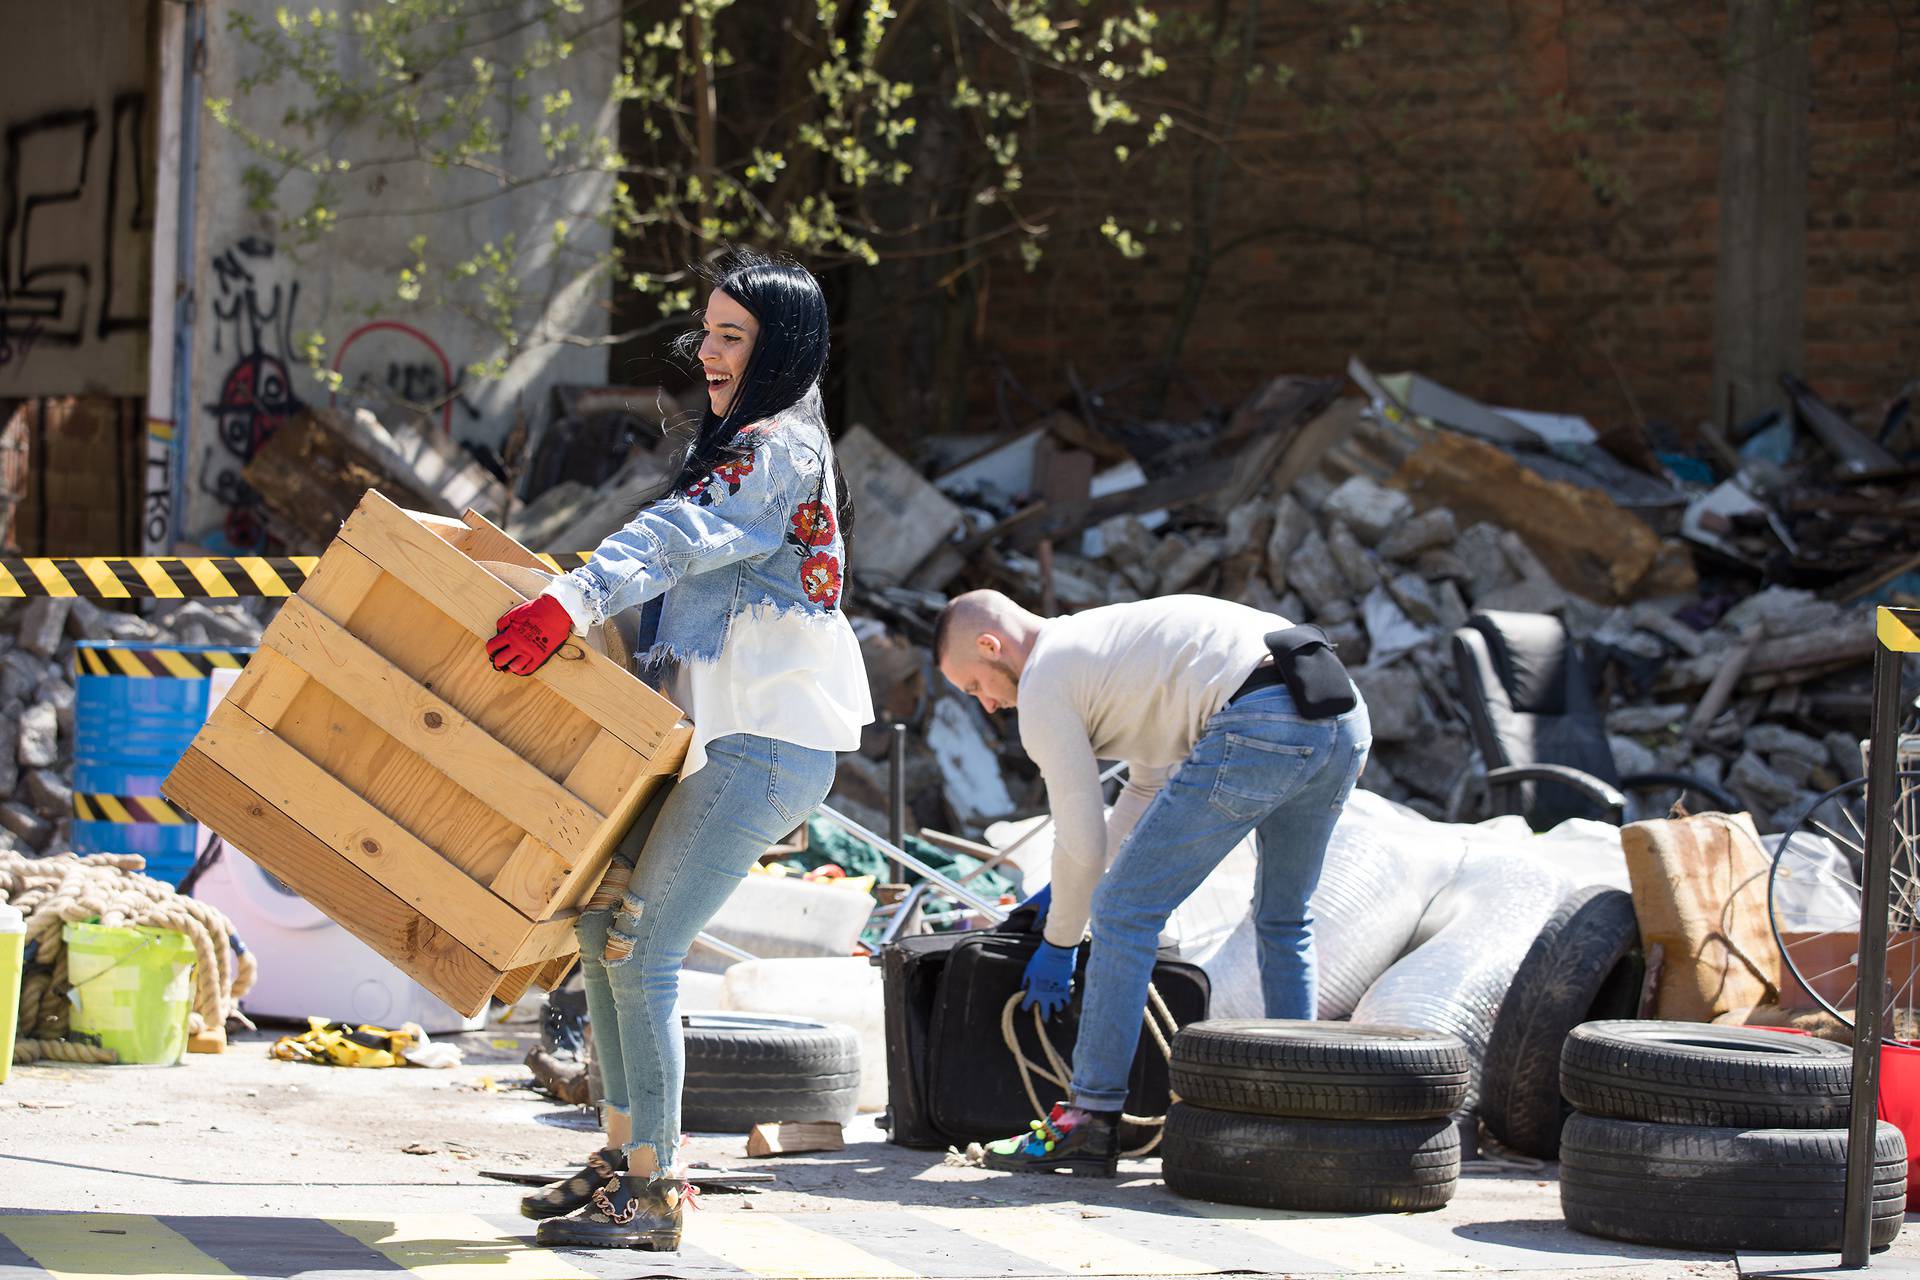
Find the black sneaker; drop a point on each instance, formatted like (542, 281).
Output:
(569, 1194)
(629, 1211)
(1091, 1147)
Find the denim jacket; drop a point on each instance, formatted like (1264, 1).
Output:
(758, 533)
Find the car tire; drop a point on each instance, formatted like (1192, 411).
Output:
(1334, 1166)
(1721, 1188)
(1320, 1070)
(1582, 966)
(1698, 1073)
(748, 1069)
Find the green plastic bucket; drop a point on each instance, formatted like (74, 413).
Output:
(132, 989)
(13, 939)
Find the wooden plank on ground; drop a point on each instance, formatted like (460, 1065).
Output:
(790, 1138)
(361, 834)
(422, 721)
(475, 599)
(431, 956)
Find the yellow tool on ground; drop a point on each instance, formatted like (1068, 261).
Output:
(337, 1044)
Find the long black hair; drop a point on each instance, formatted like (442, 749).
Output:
(789, 356)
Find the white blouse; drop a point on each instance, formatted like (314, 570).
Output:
(796, 677)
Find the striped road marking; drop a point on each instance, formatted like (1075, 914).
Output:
(82, 1246)
(881, 1243)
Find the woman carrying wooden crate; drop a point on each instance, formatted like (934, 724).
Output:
(745, 552)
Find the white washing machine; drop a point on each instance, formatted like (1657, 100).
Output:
(310, 966)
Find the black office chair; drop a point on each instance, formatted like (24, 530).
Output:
(1531, 711)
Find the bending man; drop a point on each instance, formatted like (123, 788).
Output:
(1186, 690)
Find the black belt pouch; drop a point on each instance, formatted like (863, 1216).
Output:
(1314, 675)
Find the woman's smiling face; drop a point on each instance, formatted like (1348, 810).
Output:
(730, 330)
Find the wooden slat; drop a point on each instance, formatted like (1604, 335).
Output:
(267, 687)
(554, 940)
(340, 582)
(535, 879)
(423, 722)
(515, 983)
(431, 956)
(555, 972)
(356, 831)
(474, 598)
(484, 540)
(597, 772)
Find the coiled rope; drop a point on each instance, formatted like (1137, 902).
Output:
(68, 888)
(1160, 1025)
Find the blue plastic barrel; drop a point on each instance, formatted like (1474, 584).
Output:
(137, 707)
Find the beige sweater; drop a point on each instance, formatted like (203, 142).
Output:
(1132, 682)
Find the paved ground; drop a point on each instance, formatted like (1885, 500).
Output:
(240, 1165)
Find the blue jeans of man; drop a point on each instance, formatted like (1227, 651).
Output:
(1259, 766)
(689, 850)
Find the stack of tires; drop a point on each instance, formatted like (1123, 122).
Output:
(1707, 1137)
(1327, 1116)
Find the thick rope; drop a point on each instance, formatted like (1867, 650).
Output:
(1160, 1025)
(25, 1051)
(53, 892)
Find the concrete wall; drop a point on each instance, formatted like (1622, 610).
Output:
(257, 292)
(76, 198)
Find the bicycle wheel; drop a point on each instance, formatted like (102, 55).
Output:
(1813, 906)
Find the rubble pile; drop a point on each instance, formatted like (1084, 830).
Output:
(37, 697)
(1725, 619)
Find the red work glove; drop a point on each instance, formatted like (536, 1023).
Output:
(529, 634)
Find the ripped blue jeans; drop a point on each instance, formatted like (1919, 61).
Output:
(689, 849)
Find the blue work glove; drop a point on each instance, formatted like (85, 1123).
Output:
(1048, 980)
(1039, 902)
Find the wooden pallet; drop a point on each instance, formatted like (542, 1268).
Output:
(451, 817)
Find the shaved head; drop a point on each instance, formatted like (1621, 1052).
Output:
(981, 644)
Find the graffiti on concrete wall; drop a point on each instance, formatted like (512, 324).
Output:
(74, 201)
(252, 340)
(388, 365)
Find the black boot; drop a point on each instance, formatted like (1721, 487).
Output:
(1092, 1146)
(570, 1193)
(631, 1211)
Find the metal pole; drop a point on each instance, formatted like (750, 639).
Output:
(1882, 769)
(897, 793)
(954, 889)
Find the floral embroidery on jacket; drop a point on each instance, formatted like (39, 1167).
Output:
(820, 578)
(812, 525)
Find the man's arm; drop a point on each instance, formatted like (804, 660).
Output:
(1056, 740)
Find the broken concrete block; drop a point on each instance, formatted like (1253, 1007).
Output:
(964, 742)
(1789, 814)
(1291, 525)
(1441, 564)
(1355, 564)
(1247, 529)
(42, 624)
(1843, 749)
(1312, 572)
(20, 674)
(1428, 531)
(1369, 508)
(1487, 567)
(38, 741)
(228, 624)
(1394, 702)
(1256, 594)
(1431, 768)
(1124, 539)
(1773, 739)
(49, 794)
(1293, 608)
(25, 823)
(9, 774)
(1349, 641)
(1165, 552)
(1450, 605)
(11, 843)
(1531, 596)
(1339, 611)
(55, 692)
(1664, 718)
(1792, 766)
(1751, 777)
(1411, 592)
(1709, 768)
(1189, 566)
(1631, 756)
(1784, 611)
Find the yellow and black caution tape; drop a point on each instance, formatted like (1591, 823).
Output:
(175, 577)
(95, 807)
(178, 664)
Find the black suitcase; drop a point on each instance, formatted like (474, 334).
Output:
(950, 1077)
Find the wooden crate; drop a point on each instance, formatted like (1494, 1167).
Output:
(451, 817)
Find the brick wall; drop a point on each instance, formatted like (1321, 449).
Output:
(1518, 200)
